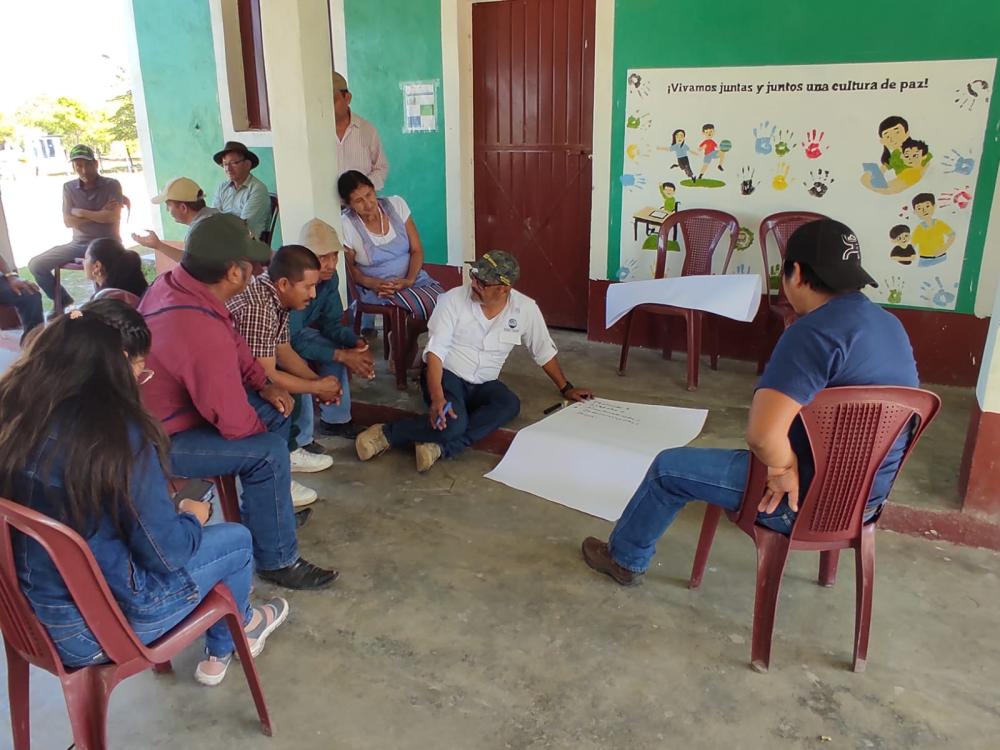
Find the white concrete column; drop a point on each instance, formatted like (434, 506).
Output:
(300, 96)
(5, 249)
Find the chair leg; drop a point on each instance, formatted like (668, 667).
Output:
(623, 360)
(357, 319)
(163, 668)
(399, 347)
(772, 553)
(250, 671)
(18, 693)
(386, 332)
(666, 341)
(57, 294)
(693, 318)
(229, 498)
(714, 352)
(828, 567)
(708, 527)
(87, 693)
(865, 568)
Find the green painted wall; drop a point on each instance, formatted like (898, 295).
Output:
(389, 42)
(178, 75)
(656, 34)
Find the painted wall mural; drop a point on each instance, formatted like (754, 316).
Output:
(891, 149)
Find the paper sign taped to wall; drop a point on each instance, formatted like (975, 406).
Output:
(735, 296)
(592, 456)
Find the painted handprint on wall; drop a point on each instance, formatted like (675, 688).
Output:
(813, 144)
(747, 182)
(956, 163)
(780, 179)
(763, 138)
(894, 289)
(636, 121)
(633, 180)
(783, 143)
(637, 85)
(744, 238)
(819, 182)
(937, 294)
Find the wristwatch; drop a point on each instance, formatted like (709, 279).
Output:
(567, 387)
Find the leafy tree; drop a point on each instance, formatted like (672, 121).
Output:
(64, 117)
(122, 122)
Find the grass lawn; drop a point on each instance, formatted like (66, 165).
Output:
(76, 283)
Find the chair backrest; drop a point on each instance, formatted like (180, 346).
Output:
(82, 576)
(702, 230)
(272, 221)
(851, 431)
(780, 226)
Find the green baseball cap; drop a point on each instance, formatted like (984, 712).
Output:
(82, 152)
(224, 237)
(495, 267)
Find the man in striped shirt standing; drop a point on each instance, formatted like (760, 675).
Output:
(358, 144)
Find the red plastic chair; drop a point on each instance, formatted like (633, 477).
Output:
(779, 226)
(702, 230)
(851, 431)
(87, 689)
(397, 328)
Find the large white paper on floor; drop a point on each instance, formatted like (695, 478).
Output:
(592, 456)
(735, 296)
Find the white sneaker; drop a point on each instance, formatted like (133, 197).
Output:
(306, 462)
(302, 495)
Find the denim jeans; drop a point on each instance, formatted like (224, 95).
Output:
(261, 462)
(675, 478)
(479, 408)
(305, 418)
(28, 306)
(224, 555)
(42, 266)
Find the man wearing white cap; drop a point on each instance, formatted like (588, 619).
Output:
(186, 204)
(358, 144)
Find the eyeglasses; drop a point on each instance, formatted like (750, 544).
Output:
(227, 164)
(144, 376)
(482, 284)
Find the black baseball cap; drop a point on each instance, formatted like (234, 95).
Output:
(224, 237)
(831, 249)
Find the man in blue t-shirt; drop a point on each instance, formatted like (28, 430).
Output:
(841, 338)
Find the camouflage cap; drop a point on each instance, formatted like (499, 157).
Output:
(496, 267)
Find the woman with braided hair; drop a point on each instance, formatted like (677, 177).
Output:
(77, 445)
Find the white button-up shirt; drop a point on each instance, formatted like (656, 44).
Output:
(475, 348)
(361, 149)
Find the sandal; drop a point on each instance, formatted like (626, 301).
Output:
(271, 614)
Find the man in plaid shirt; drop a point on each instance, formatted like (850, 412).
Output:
(261, 316)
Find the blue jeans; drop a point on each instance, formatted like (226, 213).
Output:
(261, 462)
(42, 266)
(28, 306)
(224, 556)
(330, 413)
(479, 408)
(675, 478)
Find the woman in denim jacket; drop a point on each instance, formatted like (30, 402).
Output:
(76, 444)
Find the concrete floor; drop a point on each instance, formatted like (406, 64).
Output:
(465, 619)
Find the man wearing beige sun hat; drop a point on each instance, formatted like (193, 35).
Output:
(319, 337)
(185, 202)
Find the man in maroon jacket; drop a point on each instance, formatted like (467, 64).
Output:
(214, 399)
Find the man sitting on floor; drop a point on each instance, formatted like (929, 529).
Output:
(186, 204)
(92, 208)
(319, 335)
(261, 315)
(214, 399)
(841, 338)
(472, 331)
